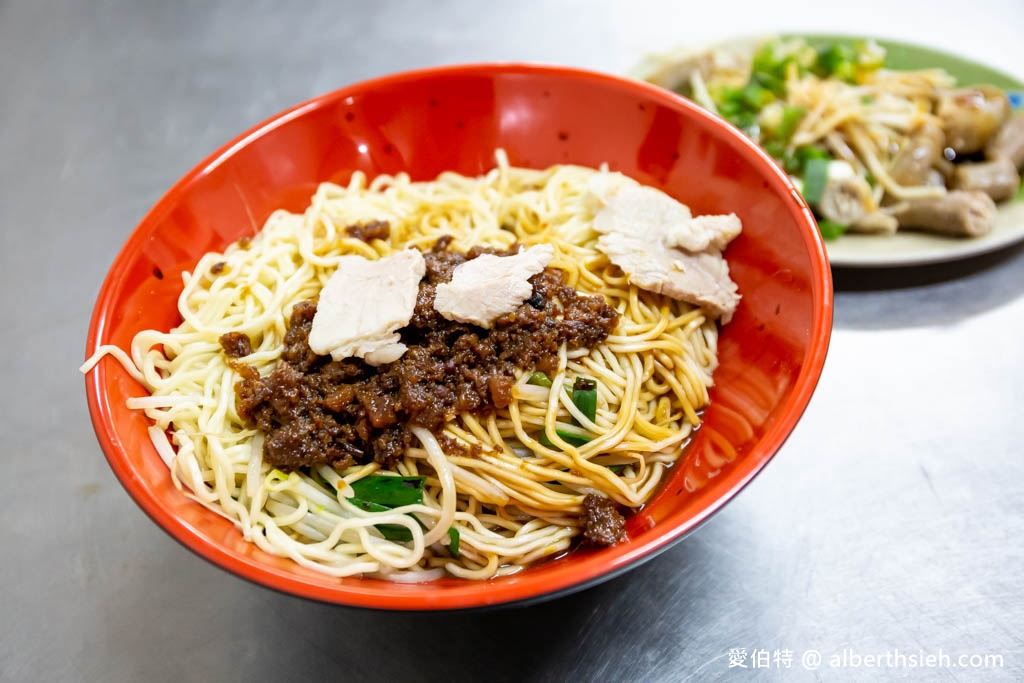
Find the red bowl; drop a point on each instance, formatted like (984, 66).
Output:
(453, 118)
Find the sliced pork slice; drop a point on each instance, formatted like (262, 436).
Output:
(487, 287)
(705, 233)
(661, 246)
(363, 305)
(701, 279)
(633, 209)
(626, 206)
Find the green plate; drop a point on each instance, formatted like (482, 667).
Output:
(912, 248)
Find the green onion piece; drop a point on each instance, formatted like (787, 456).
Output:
(374, 507)
(755, 97)
(394, 532)
(572, 439)
(839, 60)
(808, 152)
(773, 59)
(830, 229)
(777, 150)
(870, 55)
(617, 469)
(769, 67)
(791, 164)
(796, 161)
(391, 532)
(736, 107)
(815, 178)
(774, 83)
(388, 491)
(584, 397)
(540, 379)
(453, 542)
(791, 117)
(765, 61)
(368, 506)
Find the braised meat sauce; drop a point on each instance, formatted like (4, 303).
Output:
(603, 524)
(316, 410)
(373, 230)
(236, 344)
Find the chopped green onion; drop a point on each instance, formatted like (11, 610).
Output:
(389, 491)
(392, 532)
(539, 379)
(796, 162)
(368, 506)
(740, 106)
(617, 469)
(774, 58)
(776, 149)
(769, 68)
(775, 84)
(453, 542)
(839, 60)
(756, 97)
(381, 493)
(815, 179)
(571, 439)
(830, 229)
(584, 397)
(374, 507)
(765, 59)
(808, 152)
(791, 118)
(870, 55)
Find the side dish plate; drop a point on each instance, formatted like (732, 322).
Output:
(907, 248)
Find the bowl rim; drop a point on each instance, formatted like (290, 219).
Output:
(568, 577)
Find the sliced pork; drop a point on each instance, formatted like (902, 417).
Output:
(662, 247)
(489, 286)
(363, 305)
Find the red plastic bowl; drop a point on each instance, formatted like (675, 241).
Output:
(453, 118)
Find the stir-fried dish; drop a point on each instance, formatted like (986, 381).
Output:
(872, 149)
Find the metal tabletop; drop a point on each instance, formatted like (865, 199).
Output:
(891, 522)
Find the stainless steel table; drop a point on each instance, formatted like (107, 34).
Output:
(892, 522)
